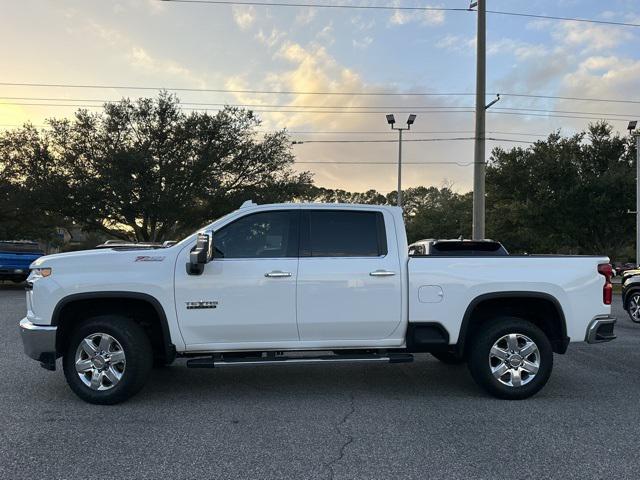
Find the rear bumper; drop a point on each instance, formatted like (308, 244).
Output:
(39, 342)
(600, 329)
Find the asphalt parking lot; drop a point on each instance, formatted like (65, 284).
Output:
(420, 420)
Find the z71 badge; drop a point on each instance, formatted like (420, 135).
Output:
(201, 304)
(149, 258)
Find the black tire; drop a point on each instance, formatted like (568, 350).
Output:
(478, 357)
(450, 358)
(628, 302)
(137, 351)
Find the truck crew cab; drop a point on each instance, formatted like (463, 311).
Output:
(330, 282)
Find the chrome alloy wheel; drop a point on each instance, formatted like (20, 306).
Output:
(100, 361)
(634, 307)
(514, 360)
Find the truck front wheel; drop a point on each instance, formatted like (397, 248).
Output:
(510, 358)
(107, 360)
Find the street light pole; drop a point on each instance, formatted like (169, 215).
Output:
(391, 120)
(479, 150)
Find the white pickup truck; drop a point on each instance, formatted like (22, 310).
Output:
(308, 283)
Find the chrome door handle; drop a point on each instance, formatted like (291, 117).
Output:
(277, 274)
(382, 273)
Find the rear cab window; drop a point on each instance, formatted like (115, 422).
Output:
(342, 233)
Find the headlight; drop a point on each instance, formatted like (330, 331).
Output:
(39, 273)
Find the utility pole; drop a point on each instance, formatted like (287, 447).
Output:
(637, 199)
(391, 120)
(400, 168)
(634, 132)
(479, 151)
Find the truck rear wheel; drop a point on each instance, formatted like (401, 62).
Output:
(107, 360)
(510, 358)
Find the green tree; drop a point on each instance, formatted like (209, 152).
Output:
(432, 212)
(25, 194)
(145, 170)
(564, 195)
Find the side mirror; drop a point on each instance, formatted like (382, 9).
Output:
(201, 254)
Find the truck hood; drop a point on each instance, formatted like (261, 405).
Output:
(107, 257)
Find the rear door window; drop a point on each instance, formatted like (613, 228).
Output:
(343, 233)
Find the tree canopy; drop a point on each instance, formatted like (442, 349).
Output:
(144, 170)
(565, 195)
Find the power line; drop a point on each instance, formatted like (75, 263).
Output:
(226, 90)
(297, 92)
(353, 132)
(565, 19)
(302, 142)
(443, 110)
(366, 162)
(440, 132)
(561, 111)
(385, 141)
(340, 107)
(405, 8)
(366, 107)
(264, 110)
(318, 5)
(560, 97)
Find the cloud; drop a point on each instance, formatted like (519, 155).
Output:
(139, 58)
(272, 39)
(605, 76)
(361, 24)
(306, 16)
(326, 35)
(457, 43)
(425, 17)
(244, 16)
(590, 38)
(521, 50)
(312, 68)
(362, 43)
(109, 35)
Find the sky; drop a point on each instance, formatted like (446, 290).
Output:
(203, 46)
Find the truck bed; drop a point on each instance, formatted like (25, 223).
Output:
(442, 289)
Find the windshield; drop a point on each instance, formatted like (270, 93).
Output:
(206, 227)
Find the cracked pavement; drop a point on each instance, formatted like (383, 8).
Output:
(420, 420)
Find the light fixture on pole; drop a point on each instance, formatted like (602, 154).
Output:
(632, 131)
(391, 120)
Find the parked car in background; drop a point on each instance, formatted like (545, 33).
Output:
(624, 267)
(631, 296)
(457, 248)
(15, 258)
(628, 274)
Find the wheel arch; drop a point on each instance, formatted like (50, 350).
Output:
(627, 295)
(147, 309)
(541, 308)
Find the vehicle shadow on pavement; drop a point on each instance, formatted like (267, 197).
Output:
(424, 377)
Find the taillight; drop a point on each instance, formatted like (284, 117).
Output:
(607, 291)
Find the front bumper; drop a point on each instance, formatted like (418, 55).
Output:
(600, 329)
(39, 342)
